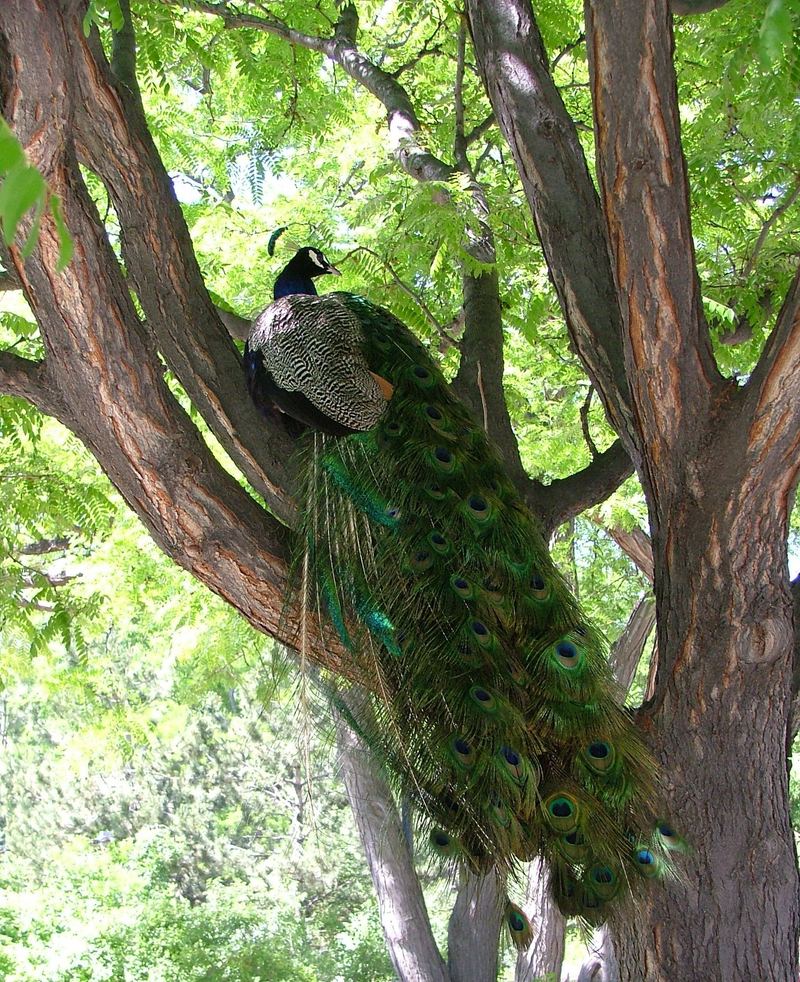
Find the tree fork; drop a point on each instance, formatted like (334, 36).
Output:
(102, 376)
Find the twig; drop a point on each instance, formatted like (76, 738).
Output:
(587, 436)
(429, 315)
(777, 213)
(459, 142)
(566, 50)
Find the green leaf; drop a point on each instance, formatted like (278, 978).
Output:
(89, 18)
(115, 15)
(776, 31)
(66, 245)
(11, 153)
(21, 189)
(33, 235)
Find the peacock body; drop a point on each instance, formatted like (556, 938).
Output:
(493, 705)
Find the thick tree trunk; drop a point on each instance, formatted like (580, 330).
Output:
(719, 725)
(717, 464)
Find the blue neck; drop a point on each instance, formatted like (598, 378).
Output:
(290, 282)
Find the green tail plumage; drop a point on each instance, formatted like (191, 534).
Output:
(493, 707)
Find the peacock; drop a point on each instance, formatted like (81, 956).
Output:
(493, 707)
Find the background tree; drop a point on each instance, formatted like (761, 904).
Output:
(715, 453)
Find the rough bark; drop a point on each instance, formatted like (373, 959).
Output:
(718, 466)
(112, 139)
(637, 547)
(546, 953)
(102, 376)
(474, 928)
(559, 190)
(627, 651)
(567, 497)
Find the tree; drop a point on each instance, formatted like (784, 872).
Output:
(716, 455)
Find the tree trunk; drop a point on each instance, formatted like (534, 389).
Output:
(719, 725)
(474, 928)
(717, 463)
(404, 916)
(601, 964)
(546, 953)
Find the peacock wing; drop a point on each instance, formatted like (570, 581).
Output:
(313, 345)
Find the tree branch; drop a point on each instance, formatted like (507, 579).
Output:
(775, 215)
(773, 396)
(238, 327)
(696, 6)
(28, 380)
(113, 139)
(479, 130)
(559, 189)
(637, 547)
(544, 957)
(404, 917)
(627, 651)
(106, 372)
(123, 51)
(794, 717)
(479, 382)
(404, 126)
(564, 498)
(8, 282)
(459, 141)
(584, 414)
(44, 546)
(474, 927)
(645, 193)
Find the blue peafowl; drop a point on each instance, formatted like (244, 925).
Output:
(493, 707)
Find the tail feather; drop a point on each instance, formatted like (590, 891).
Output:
(493, 705)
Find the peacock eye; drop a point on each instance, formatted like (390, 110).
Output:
(511, 756)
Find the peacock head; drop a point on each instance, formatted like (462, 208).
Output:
(311, 262)
(298, 275)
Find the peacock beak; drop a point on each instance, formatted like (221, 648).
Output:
(332, 269)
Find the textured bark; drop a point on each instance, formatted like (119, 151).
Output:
(480, 375)
(558, 188)
(627, 651)
(474, 928)
(546, 952)
(112, 138)
(404, 917)
(718, 462)
(719, 724)
(567, 497)
(637, 547)
(719, 466)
